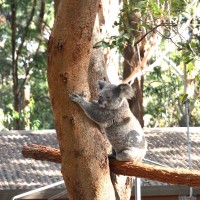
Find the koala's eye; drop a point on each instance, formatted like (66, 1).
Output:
(108, 97)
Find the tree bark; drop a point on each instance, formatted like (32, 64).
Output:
(85, 166)
(163, 174)
(56, 5)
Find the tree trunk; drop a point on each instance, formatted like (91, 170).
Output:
(14, 65)
(131, 60)
(84, 159)
(56, 5)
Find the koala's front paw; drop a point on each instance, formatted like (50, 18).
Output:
(75, 97)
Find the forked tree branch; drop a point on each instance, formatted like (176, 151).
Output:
(153, 30)
(163, 174)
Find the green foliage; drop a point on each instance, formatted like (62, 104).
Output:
(164, 99)
(191, 47)
(161, 94)
(9, 117)
(130, 23)
(30, 53)
(183, 98)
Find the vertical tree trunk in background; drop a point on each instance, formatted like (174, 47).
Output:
(132, 56)
(41, 16)
(131, 61)
(84, 159)
(26, 107)
(96, 71)
(16, 54)
(14, 64)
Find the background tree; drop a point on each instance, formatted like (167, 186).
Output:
(22, 62)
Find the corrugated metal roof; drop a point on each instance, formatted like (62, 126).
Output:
(167, 146)
(17, 172)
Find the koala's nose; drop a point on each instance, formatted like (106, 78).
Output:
(100, 101)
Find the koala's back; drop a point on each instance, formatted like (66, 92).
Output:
(124, 131)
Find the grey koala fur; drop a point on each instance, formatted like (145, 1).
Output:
(112, 113)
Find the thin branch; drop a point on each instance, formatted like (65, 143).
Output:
(168, 38)
(138, 68)
(25, 79)
(152, 30)
(27, 70)
(139, 73)
(174, 66)
(141, 65)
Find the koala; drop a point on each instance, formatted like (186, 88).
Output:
(112, 113)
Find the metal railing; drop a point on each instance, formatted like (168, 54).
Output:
(37, 190)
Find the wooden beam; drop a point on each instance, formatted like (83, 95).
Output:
(163, 174)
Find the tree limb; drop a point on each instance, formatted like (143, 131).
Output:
(39, 152)
(157, 173)
(163, 174)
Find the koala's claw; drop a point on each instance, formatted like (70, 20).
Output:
(76, 97)
(83, 94)
(73, 96)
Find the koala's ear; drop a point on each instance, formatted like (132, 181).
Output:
(101, 84)
(125, 90)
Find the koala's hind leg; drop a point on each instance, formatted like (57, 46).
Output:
(134, 155)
